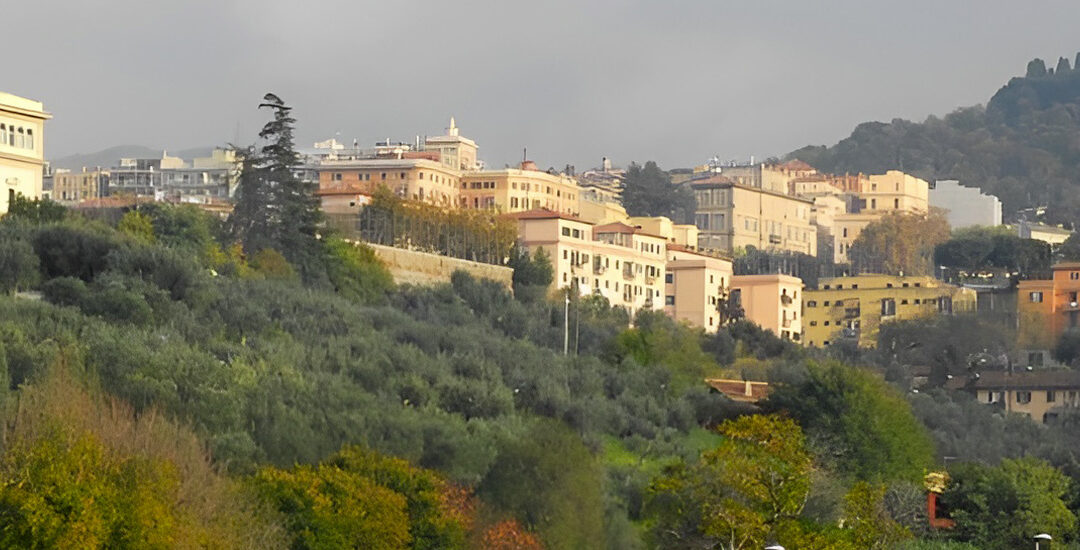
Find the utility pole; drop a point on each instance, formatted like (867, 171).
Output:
(566, 326)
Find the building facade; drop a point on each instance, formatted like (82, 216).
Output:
(71, 188)
(854, 308)
(772, 301)
(22, 148)
(617, 261)
(731, 215)
(1042, 395)
(965, 206)
(696, 285)
(1047, 309)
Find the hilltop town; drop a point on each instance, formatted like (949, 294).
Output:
(402, 346)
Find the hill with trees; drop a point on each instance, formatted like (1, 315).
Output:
(166, 382)
(1020, 146)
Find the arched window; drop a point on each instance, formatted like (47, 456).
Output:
(29, 138)
(21, 141)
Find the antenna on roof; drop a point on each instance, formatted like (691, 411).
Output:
(524, 154)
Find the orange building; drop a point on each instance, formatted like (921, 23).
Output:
(1047, 309)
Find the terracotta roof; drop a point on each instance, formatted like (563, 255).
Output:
(620, 227)
(715, 179)
(1067, 265)
(796, 164)
(744, 391)
(994, 380)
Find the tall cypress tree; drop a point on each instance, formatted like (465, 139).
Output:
(250, 220)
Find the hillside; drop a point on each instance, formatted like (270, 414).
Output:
(1022, 145)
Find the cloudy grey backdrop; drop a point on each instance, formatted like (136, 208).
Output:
(674, 80)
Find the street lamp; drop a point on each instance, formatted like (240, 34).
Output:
(1043, 537)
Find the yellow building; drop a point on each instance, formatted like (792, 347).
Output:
(619, 262)
(71, 188)
(22, 148)
(853, 308)
(731, 215)
(695, 285)
(682, 235)
(771, 301)
(520, 189)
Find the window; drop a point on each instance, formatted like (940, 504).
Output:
(669, 278)
(1023, 397)
(1051, 396)
(903, 302)
(384, 175)
(826, 303)
(826, 287)
(1074, 275)
(888, 307)
(811, 303)
(813, 323)
(1035, 359)
(3, 134)
(826, 323)
(669, 300)
(566, 232)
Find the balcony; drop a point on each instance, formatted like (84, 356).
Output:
(774, 238)
(650, 279)
(599, 269)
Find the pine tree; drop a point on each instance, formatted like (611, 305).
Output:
(275, 208)
(250, 220)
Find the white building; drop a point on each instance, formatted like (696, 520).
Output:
(22, 146)
(965, 206)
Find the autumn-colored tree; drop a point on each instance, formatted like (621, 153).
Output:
(899, 243)
(509, 535)
(738, 493)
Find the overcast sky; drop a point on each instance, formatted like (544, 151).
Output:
(677, 81)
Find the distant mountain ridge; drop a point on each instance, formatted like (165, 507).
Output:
(1023, 145)
(108, 158)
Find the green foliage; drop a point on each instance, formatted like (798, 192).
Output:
(856, 422)
(35, 211)
(560, 494)
(978, 249)
(532, 274)
(356, 272)
(1067, 349)
(271, 264)
(275, 209)
(647, 191)
(360, 499)
(137, 225)
(866, 515)
(19, 265)
(1019, 147)
(737, 494)
(998, 508)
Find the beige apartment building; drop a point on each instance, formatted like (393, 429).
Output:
(22, 148)
(71, 188)
(773, 301)
(419, 179)
(520, 189)
(889, 193)
(682, 235)
(620, 262)
(1042, 395)
(731, 215)
(695, 285)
